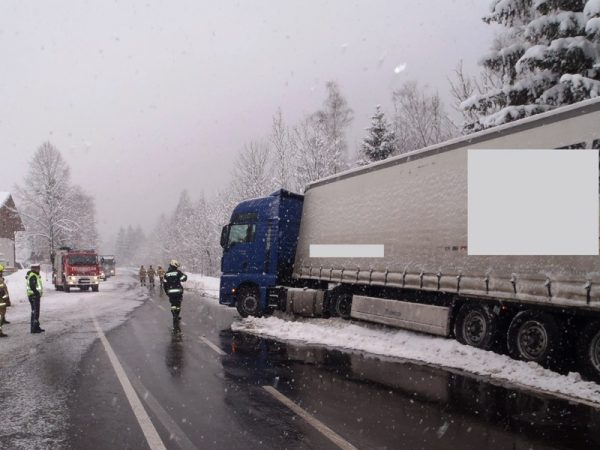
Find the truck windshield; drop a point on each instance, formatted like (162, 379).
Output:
(82, 260)
(241, 233)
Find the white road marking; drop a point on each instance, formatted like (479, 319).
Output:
(183, 323)
(320, 426)
(213, 346)
(177, 433)
(161, 307)
(152, 437)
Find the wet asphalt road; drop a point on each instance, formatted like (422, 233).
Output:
(199, 398)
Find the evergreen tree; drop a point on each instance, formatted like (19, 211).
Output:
(379, 143)
(548, 56)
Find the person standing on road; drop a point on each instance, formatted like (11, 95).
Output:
(4, 301)
(161, 276)
(173, 288)
(35, 291)
(151, 275)
(142, 276)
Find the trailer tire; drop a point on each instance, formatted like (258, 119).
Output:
(476, 326)
(343, 306)
(248, 302)
(588, 350)
(534, 336)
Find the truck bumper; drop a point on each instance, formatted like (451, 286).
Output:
(79, 281)
(227, 290)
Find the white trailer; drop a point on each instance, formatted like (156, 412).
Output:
(416, 206)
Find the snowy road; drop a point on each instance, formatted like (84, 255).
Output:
(215, 388)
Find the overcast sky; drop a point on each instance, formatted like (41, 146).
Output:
(146, 98)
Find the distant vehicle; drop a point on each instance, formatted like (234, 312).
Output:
(76, 268)
(107, 263)
(539, 307)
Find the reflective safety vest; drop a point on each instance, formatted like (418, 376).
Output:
(172, 282)
(38, 281)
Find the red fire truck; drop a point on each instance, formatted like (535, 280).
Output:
(76, 268)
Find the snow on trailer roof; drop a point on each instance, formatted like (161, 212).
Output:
(554, 115)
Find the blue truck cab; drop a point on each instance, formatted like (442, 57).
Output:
(259, 246)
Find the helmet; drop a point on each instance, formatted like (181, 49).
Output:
(35, 265)
(175, 263)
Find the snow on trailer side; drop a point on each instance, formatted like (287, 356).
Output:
(416, 206)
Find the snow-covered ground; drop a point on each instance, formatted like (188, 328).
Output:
(37, 369)
(201, 283)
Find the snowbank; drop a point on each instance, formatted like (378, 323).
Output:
(38, 370)
(379, 340)
(201, 283)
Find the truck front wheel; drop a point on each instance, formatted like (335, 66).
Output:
(588, 350)
(534, 336)
(67, 288)
(476, 326)
(248, 302)
(95, 288)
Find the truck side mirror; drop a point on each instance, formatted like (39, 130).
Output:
(224, 235)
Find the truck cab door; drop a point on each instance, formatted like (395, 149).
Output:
(244, 251)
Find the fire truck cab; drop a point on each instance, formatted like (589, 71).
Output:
(76, 268)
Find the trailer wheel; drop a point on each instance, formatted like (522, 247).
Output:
(248, 302)
(343, 306)
(534, 336)
(476, 326)
(588, 350)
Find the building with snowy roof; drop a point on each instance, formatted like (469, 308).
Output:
(10, 223)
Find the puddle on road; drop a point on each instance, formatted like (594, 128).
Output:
(420, 405)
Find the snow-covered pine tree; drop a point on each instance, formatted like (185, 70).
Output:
(548, 56)
(379, 142)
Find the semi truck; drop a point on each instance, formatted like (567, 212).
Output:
(107, 263)
(536, 308)
(76, 269)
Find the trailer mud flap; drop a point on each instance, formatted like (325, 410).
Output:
(412, 316)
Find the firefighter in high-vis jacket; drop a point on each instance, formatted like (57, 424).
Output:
(35, 290)
(4, 301)
(173, 288)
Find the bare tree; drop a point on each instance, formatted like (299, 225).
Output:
(419, 118)
(282, 153)
(251, 176)
(46, 201)
(334, 118)
(464, 86)
(314, 155)
(83, 212)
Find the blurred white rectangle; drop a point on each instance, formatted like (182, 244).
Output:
(346, 251)
(533, 202)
